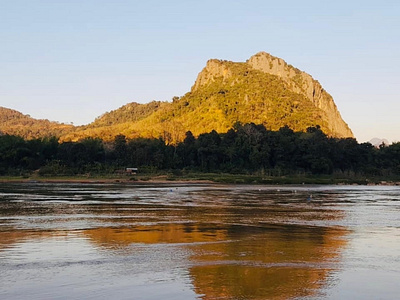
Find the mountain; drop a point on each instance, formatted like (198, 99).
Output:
(15, 123)
(302, 83)
(376, 142)
(263, 90)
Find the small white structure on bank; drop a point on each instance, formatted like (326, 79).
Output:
(131, 170)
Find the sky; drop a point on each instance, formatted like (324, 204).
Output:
(73, 60)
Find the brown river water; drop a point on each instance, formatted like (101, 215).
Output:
(194, 241)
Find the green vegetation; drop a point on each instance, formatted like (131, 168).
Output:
(130, 112)
(246, 95)
(14, 123)
(225, 93)
(244, 154)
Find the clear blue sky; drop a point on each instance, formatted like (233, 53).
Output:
(71, 61)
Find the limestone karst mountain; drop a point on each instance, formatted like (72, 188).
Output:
(263, 90)
(292, 79)
(304, 84)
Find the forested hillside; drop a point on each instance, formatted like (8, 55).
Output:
(264, 90)
(224, 93)
(15, 123)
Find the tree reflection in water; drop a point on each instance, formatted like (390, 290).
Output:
(232, 242)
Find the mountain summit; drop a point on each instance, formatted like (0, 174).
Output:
(293, 79)
(263, 90)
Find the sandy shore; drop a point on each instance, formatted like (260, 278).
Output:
(102, 181)
(174, 181)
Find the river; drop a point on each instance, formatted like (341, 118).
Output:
(198, 241)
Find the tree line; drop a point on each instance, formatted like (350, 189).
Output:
(244, 149)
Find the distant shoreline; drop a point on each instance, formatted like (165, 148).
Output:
(99, 181)
(204, 179)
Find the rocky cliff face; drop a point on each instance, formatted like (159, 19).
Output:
(214, 69)
(302, 83)
(297, 81)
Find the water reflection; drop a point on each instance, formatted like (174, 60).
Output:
(216, 242)
(242, 262)
(264, 263)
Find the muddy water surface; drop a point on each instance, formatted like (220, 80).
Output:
(97, 241)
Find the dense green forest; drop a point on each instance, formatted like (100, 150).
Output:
(244, 149)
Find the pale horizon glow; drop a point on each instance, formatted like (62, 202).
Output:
(72, 61)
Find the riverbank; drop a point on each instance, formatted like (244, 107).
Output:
(105, 180)
(197, 178)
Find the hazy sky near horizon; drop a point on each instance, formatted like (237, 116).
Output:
(72, 60)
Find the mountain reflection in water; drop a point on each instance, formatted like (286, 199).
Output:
(242, 262)
(172, 241)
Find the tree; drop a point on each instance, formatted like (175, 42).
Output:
(120, 149)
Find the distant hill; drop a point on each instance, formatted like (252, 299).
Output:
(118, 121)
(15, 123)
(263, 90)
(377, 142)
